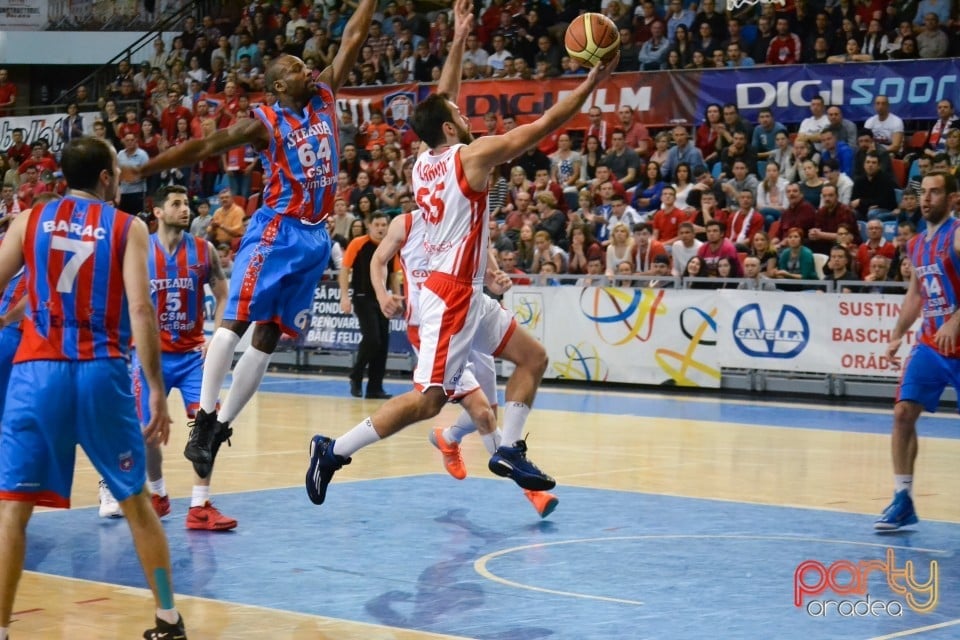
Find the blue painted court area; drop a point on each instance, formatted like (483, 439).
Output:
(605, 565)
(827, 418)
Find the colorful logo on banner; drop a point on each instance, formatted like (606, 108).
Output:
(700, 328)
(760, 335)
(528, 310)
(622, 315)
(398, 108)
(583, 363)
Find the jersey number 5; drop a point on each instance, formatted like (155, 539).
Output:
(81, 250)
(431, 204)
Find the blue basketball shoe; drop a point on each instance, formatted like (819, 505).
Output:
(899, 514)
(323, 463)
(512, 462)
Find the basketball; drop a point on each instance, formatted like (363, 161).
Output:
(592, 38)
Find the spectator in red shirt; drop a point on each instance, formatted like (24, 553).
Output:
(173, 112)
(38, 160)
(743, 223)
(129, 125)
(8, 94)
(786, 47)
(18, 149)
(875, 245)
(667, 221)
(716, 247)
(31, 186)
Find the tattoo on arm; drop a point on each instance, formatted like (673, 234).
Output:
(216, 269)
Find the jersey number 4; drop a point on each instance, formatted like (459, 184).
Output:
(431, 204)
(81, 250)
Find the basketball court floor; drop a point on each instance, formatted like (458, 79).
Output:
(680, 517)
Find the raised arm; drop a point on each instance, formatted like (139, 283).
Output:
(354, 35)
(463, 25)
(489, 151)
(246, 131)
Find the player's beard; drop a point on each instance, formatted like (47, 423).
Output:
(935, 217)
(463, 134)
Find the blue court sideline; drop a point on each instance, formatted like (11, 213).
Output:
(471, 559)
(704, 409)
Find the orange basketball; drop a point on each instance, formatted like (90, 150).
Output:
(592, 38)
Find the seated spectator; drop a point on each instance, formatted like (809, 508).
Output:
(796, 261)
(839, 268)
(661, 149)
(582, 247)
(682, 186)
(10, 204)
(764, 250)
(741, 181)
(765, 134)
(707, 136)
(738, 151)
(932, 41)
(851, 54)
(684, 247)
(905, 233)
(812, 185)
(497, 240)
(623, 161)
(546, 251)
(802, 151)
(647, 194)
(874, 194)
(621, 243)
(661, 273)
(843, 182)
(879, 271)
(625, 275)
(595, 276)
(551, 220)
(874, 245)
(865, 144)
(772, 194)
(228, 222)
(909, 211)
(717, 246)
(754, 280)
(543, 183)
(799, 213)
(526, 248)
(904, 271)
(743, 223)
(645, 249)
(30, 186)
(845, 238)
(508, 264)
(546, 275)
(835, 149)
(683, 151)
(695, 269)
(666, 221)
(828, 221)
(708, 212)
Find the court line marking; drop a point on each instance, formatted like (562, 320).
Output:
(913, 632)
(146, 593)
(295, 377)
(480, 564)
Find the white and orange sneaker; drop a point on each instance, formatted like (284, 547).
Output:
(208, 518)
(452, 460)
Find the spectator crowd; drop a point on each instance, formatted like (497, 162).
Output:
(828, 200)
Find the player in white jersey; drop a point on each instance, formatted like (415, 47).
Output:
(450, 179)
(405, 240)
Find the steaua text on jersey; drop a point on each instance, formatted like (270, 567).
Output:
(176, 285)
(77, 306)
(937, 269)
(302, 160)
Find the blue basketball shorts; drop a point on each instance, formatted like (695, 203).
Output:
(9, 342)
(276, 271)
(181, 371)
(926, 374)
(54, 405)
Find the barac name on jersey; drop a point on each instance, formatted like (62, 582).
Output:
(74, 229)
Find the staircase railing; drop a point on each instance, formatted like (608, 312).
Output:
(102, 77)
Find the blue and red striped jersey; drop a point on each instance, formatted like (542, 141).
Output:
(937, 268)
(13, 293)
(176, 284)
(73, 257)
(302, 161)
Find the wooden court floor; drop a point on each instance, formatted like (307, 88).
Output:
(635, 442)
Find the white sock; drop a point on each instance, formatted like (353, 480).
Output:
(201, 494)
(357, 438)
(158, 487)
(514, 418)
(216, 367)
(461, 428)
(492, 441)
(247, 376)
(3, 633)
(902, 482)
(168, 615)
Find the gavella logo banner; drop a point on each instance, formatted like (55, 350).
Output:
(847, 578)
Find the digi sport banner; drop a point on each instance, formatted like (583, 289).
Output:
(663, 98)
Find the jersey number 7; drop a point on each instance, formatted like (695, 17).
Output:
(81, 250)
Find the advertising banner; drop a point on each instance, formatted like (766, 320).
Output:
(662, 98)
(841, 334)
(26, 15)
(41, 126)
(608, 334)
